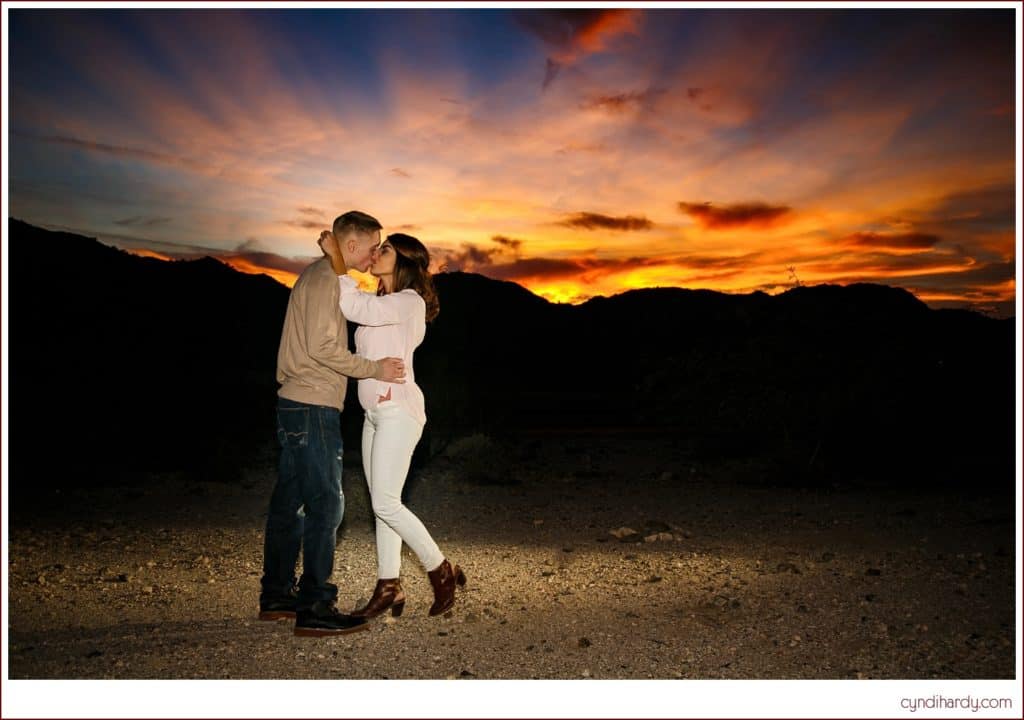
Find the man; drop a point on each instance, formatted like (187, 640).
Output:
(313, 367)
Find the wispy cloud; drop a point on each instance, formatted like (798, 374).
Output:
(510, 243)
(550, 268)
(135, 153)
(304, 224)
(986, 208)
(884, 160)
(587, 270)
(597, 221)
(896, 241)
(621, 102)
(572, 31)
(467, 258)
(573, 34)
(267, 261)
(738, 215)
(142, 221)
(246, 258)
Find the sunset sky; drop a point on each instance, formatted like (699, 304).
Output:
(578, 153)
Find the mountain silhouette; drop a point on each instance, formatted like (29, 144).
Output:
(121, 364)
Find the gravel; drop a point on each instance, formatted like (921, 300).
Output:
(646, 566)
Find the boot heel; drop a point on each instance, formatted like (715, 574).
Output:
(460, 577)
(397, 608)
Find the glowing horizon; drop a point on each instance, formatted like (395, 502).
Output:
(577, 153)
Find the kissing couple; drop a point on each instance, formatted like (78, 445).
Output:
(313, 367)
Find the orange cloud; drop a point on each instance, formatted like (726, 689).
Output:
(244, 264)
(573, 34)
(892, 241)
(606, 25)
(883, 266)
(529, 271)
(142, 252)
(244, 259)
(458, 161)
(738, 215)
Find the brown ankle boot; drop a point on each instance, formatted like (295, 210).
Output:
(443, 580)
(387, 594)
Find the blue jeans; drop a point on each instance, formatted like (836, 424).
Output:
(307, 504)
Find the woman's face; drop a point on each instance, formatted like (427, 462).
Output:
(385, 264)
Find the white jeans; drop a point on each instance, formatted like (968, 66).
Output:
(390, 435)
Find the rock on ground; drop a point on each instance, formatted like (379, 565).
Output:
(736, 581)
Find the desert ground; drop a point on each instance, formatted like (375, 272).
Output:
(593, 557)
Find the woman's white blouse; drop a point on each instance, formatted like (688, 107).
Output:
(391, 325)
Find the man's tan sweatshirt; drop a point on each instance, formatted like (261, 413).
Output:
(313, 360)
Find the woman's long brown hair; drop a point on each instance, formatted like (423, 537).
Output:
(411, 262)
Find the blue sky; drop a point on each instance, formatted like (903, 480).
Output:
(576, 152)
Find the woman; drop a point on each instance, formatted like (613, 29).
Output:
(392, 324)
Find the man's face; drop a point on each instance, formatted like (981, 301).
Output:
(361, 250)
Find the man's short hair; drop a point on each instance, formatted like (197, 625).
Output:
(357, 221)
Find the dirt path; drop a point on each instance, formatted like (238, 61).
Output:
(742, 582)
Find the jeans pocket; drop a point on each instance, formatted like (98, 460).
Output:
(293, 427)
